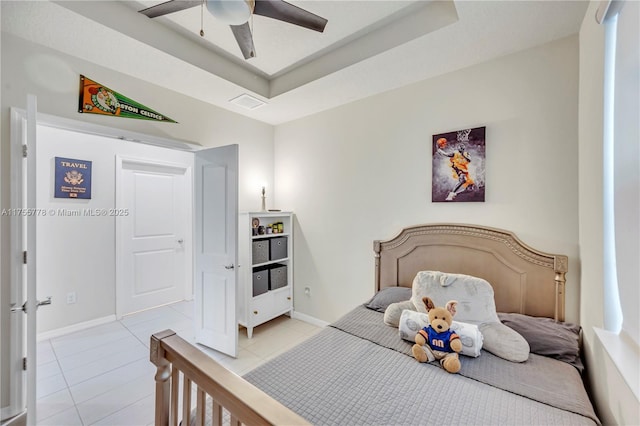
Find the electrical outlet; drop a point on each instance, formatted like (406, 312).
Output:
(71, 297)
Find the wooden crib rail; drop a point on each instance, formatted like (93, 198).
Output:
(245, 403)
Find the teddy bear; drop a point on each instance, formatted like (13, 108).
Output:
(437, 341)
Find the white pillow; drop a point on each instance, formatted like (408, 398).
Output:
(411, 322)
(474, 295)
(476, 305)
(394, 311)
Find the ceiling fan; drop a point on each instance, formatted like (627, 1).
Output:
(236, 13)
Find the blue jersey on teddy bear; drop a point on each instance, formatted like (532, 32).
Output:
(439, 341)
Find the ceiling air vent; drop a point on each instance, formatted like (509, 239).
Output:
(247, 101)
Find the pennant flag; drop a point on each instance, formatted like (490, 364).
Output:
(98, 99)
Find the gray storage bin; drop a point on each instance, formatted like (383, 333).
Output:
(278, 248)
(277, 276)
(260, 281)
(260, 251)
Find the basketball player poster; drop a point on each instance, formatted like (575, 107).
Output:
(458, 166)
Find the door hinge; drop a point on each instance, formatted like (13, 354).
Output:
(24, 363)
(24, 257)
(24, 151)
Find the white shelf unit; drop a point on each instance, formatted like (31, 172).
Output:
(254, 310)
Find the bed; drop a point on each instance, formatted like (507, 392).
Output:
(360, 371)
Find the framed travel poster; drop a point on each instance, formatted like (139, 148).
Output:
(72, 178)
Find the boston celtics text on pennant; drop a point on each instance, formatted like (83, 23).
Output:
(73, 178)
(98, 99)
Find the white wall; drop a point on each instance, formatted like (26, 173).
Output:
(614, 399)
(363, 171)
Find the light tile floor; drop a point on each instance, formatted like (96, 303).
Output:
(103, 375)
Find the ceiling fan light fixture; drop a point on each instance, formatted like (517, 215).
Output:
(238, 13)
(231, 12)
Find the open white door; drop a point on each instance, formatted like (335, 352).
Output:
(23, 263)
(153, 261)
(215, 251)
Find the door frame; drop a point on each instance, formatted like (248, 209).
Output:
(17, 322)
(22, 247)
(17, 130)
(120, 239)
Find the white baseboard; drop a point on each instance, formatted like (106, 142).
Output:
(308, 318)
(52, 334)
(17, 420)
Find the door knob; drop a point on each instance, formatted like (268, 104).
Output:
(47, 301)
(229, 266)
(23, 308)
(180, 241)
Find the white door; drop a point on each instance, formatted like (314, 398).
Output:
(23, 265)
(216, 238)
(153, 223)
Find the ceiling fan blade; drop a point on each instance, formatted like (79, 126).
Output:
(283, 11)
(242, 33)
(169, 7)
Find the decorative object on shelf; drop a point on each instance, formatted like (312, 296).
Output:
(255, 222)
(276, 227)
(458, 166)
(264, 203)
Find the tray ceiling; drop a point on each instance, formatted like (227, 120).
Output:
(368, 46)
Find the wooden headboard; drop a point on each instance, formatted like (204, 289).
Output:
(524, 280)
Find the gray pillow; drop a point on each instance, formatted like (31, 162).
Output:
(385, 297)
(548, 337)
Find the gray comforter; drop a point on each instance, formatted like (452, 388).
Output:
(358, 371)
